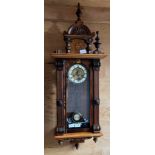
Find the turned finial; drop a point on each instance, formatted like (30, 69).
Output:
(78, 12)
(97, 42)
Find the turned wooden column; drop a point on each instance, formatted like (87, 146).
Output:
(60, 129)
(96, 100)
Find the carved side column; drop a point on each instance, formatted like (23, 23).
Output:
(96, 100)
(89, 44)
(68, 44)
(60, 129)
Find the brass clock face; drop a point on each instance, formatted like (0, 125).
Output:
(77, 73)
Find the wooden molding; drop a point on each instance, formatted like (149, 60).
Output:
(77, 56)
(78, 135)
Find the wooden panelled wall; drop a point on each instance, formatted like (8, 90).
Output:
(59, 15)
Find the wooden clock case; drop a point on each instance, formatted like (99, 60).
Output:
(78, 37)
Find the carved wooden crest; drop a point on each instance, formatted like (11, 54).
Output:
(77, 32)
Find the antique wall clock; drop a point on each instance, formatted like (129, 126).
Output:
(77, 73)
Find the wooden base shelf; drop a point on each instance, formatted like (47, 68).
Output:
(77, 56)
(78, 135)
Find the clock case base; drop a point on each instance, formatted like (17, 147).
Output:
(78, 137)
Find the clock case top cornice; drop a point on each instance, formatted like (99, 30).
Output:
(80, 31)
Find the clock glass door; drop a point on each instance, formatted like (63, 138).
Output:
(78, 98)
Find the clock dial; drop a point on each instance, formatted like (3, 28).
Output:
(77, 117)
(77, 73)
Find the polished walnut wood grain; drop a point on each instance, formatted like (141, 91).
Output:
(96, 100)
(60, 97)
(78, 56)
(77, 45)
(78, 135)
